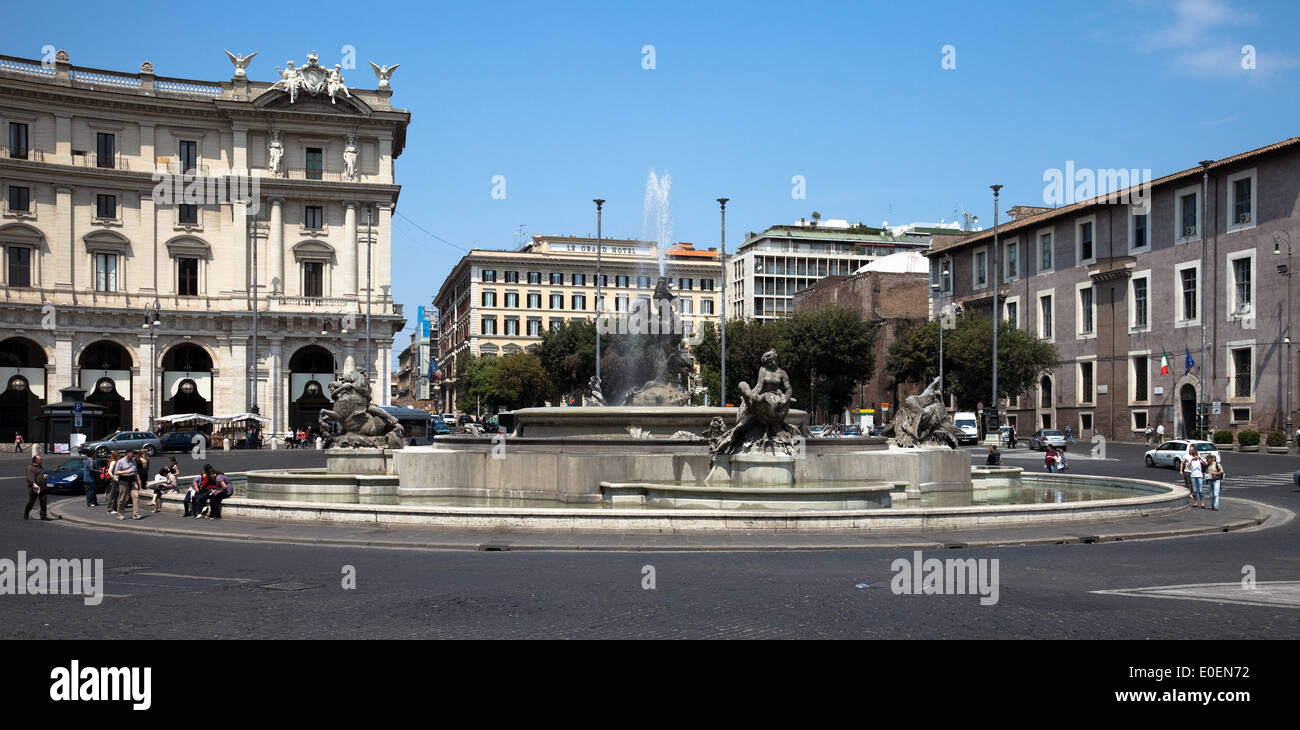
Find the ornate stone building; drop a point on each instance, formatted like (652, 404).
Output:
(132, 264)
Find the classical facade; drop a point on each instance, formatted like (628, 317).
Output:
(770, 267)
(498, 302)
(1116, 282)
(144, 216)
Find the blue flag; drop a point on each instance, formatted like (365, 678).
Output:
(434, 370)
(1190, 362)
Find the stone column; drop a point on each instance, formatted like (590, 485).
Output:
(147, 249)
(275, 246)
(276, 397)
(62, 138)
(383, 252)
(348, 280)
(349, 358)
(64, 367)
(65, 266)
(240, 260)
(140, 395)
(234, 386)
(385, 358)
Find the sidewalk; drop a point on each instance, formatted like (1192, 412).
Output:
(1235, 514)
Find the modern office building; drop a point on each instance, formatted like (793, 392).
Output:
(136, 270)
(416, 382)
(499, 302)
(1200, 263)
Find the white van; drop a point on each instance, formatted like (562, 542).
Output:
(969, 427)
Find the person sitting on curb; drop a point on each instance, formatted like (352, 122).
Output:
(165, 482)
(218, 488)
(994, 458)
(198, 485)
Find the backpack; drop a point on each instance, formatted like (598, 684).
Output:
(104, 473)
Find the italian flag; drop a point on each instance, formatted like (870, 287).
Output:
(1164, 363)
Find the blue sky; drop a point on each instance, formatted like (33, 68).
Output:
(743, 97)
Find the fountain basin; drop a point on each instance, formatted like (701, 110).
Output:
(613, 421)
(860, 496)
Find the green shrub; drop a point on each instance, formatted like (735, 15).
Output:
(1223, 436)
(1276, 438)
(1248, 438)
(1197, 434)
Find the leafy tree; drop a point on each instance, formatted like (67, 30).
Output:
(568, 354)
(475, 380)
(520, 381)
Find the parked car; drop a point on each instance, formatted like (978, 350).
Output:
(183, 441)
(852, 431)
(1045, 437)
(449, 419)
(969, 427)
(123, 441)
(74, 474)
(440, 427)
(1170, 453)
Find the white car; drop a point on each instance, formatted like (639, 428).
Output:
(449, 419)
(969, 427)
(1170, 453)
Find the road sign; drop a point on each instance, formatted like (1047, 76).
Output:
(1218, 408)
(979, 406)
(76, 407)
(76, 420)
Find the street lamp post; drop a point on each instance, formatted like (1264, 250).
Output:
(1202, 415)
(600, 202)
(369, 214)
(723, 321)
(1286, 271)
(997, 315)
(152, 321)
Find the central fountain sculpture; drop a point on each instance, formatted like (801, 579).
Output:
(353, 422)
(672, 366)
(761, 420)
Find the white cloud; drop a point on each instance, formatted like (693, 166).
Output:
(1197, 21)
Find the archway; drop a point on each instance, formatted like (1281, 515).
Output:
(105, 374)
(1187, 405)
(22, 377)
(1045, 403)
(311, 369)
(187, 380)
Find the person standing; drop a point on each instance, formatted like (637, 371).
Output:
(1196, 470)
(1069, 435)
(1148, 433)
(36, 488)
(1049, 459)
(1214, 473)
(18, 442)
(1160, 433)
(113, 485)
(129, 485)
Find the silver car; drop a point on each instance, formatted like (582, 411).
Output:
(122, 441)
(1170, 453)
(1046, 437)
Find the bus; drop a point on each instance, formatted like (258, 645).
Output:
(418, 426)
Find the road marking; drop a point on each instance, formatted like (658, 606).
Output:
(194, 577)
(1280, 593)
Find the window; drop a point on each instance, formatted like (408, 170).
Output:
(1241, 415)
(534, 328)
(620, 303)
(187, 214)
(707, 284)
(512, 300)
(579, 302)
(1084, 232)
(1085, 421)
(105, 272)
(1187, 286)
(578, 279)
(1241, 205)
(603, 281)
(555, 324)
(488, 326)
(187, 277)
(512, 326)
(1139, 420)
(1186, 214)
(1012, 313)
(189, 155)
(1045, 252)
(557, 301)
(313, 279)
(1085, 311)
(980, 269)
(315, 163)
(1045, 316)
(20, 199)
(106, 206)
(1141, 375)
(621, 281)
(18, 136)
(488, 299)
(1012, 260)
(1241, 372)
(534, 300)
(314, 217)
(643, 282)
(1140, 306)
(105, 150)
(706, 306)
(512, 277)
(1085, 382)
(1242, 288)
(687, 306)
(20, 266)
(488, 275)
(1138, 224)
(535, 277)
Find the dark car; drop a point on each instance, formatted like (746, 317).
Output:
(182, 441)
(72, 475)
(122, 441)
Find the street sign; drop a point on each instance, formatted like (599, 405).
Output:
(76, 420)
(979, 406)
(76, 407)
(1218, 408)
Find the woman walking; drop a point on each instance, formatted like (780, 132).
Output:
(113, 484)
(1214, 473)
(1195, 468)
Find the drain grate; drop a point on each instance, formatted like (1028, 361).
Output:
(290, 585)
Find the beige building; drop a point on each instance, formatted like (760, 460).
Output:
(499, 302)
(127, 192)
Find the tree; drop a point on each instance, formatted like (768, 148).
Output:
(520, 381)
(475, 380)
(968, 354)
(568, 355)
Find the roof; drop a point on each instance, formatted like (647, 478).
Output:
(943, 243)
(903, 262)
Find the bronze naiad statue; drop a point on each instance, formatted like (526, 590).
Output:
(760, 421)
(923, 420)
(353, 422)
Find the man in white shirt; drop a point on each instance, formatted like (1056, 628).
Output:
(126, 469)
(1160, 433)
